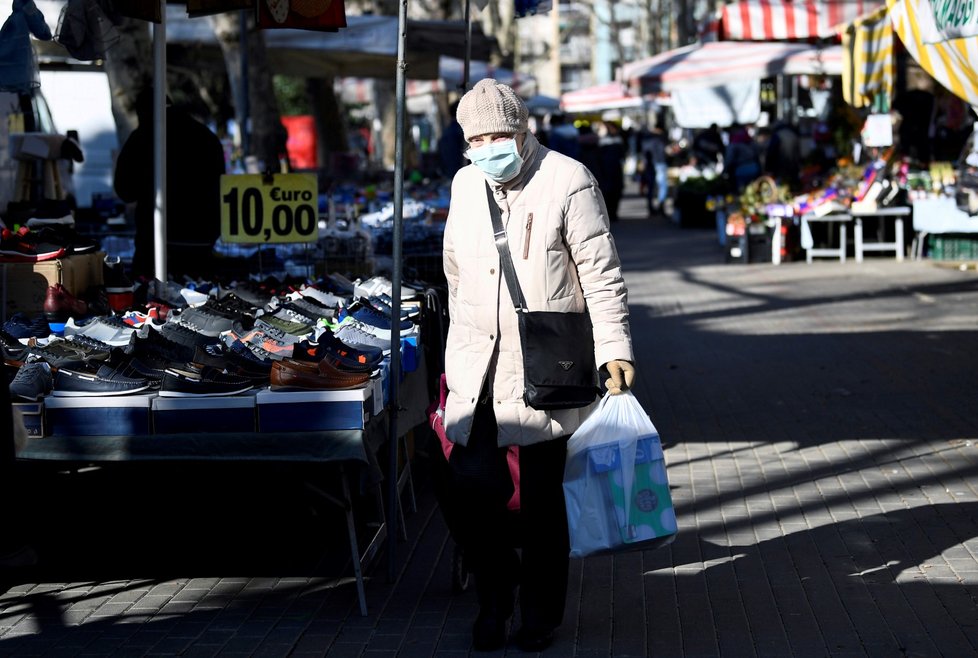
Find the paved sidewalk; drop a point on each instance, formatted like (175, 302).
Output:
(820, 424)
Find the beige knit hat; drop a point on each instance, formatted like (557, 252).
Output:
(491, 107)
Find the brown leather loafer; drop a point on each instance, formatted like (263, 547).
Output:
(289, 374)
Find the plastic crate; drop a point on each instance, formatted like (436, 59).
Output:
(952, 247)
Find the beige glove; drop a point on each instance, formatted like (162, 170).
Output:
(622, 375)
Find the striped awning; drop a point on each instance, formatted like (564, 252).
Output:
(778, 20)
(868, 66)
(719, 63)
(610, 96)
(952, 63)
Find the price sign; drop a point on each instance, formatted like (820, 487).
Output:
(277, 208)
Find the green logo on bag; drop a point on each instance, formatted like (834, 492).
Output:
(646, 500)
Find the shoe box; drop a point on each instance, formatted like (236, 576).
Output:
(231, 413)
(309, 411)
(118, 415)
(24, 285)
(32, 414)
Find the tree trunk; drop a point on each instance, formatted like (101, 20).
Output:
(129, 66)
(267, 134)
(331, 126)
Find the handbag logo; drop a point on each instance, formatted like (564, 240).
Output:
(566, 365)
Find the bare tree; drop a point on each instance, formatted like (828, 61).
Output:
(128, 65)
(268, 136)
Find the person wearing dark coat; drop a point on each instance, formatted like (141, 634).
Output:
(194, 166)
(610, 171)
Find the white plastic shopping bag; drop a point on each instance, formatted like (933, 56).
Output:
(615, 483)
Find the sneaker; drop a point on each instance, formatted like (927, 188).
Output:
(353, 333)
(23, 247)
(377, 285)
(201, 381)
(327, 299)
(96, 349)
(204, 320)
(150, 342)
(104, 382)
(132, 366)
(313, 309)
(13, 350)
(22, 328)
(232, 363)
(293, 327)
(67, 237)
(59, 304)
(61, 354)
(111, 330)
(379, 324)
(32, 381)
(186, 335)
(350, 358)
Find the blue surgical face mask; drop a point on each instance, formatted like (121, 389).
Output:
(499, 161)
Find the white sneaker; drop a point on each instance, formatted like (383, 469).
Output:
(321, 296)
(377, 284)
(112, 331)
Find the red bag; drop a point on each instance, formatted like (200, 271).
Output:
(436, 418)
(321, 15)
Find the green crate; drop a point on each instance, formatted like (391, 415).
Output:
(952, 247)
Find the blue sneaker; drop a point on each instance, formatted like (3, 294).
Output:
(377, 323)
(20, 326)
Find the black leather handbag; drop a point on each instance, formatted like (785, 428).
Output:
(558, 348)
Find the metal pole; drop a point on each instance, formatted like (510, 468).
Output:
(395, 371)
(468, 45)
(245, 111)
(159, 141)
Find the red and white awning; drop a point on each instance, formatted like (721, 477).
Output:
(720, 63)
(777, 20)
(610, 96)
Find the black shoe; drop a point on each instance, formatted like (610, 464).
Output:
(488, 633)
(533, 640)
(107, 381)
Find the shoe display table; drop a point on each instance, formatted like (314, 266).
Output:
(840, 218)
(345, 450)
(882, 214)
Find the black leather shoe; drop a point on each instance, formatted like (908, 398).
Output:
(533, 640)
(488, 633)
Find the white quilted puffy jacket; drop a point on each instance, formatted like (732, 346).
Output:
(566, 261)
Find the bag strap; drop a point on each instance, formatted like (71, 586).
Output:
(505, 257)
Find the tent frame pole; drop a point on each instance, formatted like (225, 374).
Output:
(159, 141)
(393, 494)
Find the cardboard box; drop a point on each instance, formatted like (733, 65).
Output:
(117, 415)
(309, 411)
(32, 413)
(229, 413)
(24, 285)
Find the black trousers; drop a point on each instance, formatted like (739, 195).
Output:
(474, 503)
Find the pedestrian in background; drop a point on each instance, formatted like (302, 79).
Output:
(194, 165)
(656, 169)
(566, 260)
(742, 159)
(611, 166)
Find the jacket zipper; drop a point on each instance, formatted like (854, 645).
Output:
(526, 239)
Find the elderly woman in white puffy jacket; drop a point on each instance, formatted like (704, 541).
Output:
(565, 259)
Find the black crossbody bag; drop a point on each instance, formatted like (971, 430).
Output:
(558, 348)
